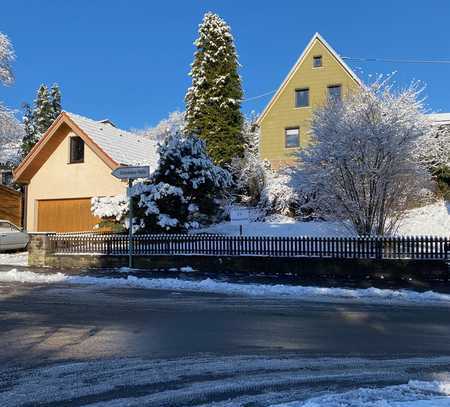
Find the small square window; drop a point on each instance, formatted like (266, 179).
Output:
(6, 177)
(292, 137)
(301, 97)
(317, 61)
(76, 150)
(335, 92)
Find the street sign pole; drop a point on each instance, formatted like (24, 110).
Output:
(130, 226)
(131, 173)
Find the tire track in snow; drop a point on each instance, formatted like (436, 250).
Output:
(206, 381)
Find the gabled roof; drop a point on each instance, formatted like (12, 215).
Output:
(123, 147)
(114, 146)
(316, 37)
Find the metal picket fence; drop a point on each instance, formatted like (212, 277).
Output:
(361, 247)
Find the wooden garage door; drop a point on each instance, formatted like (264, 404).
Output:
(65, 215)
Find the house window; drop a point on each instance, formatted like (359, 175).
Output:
(317, 61)
(301, 97)
(292, 137)
(76, 150)
(6, 177)
(334, 92)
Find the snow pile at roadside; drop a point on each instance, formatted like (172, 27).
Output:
(428, 220)
(14, 259)
(413, 394)
(318, 294)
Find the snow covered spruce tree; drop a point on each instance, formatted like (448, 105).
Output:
(37, 119)
(10, 129)
(213, 101)
(184, 192)
(363, 165)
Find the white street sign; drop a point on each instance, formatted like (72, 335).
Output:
(131, 172)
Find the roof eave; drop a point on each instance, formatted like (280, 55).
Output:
(63, 118)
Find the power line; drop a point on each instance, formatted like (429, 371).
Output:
(404, 61)
(259, 96)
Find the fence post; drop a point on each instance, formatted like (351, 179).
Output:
(446, 248)
(379, 243)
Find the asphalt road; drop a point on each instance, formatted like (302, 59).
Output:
(162, 346)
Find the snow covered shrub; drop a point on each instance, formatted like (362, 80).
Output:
(363, 165)
(112, 211)
(434, 152)
(184, 192)
(284, 195)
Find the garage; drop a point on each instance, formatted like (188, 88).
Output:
(65, 215)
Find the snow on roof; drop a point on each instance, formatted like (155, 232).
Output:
(440, 118)
(122, 146)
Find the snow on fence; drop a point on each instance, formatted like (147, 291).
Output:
(402, 247)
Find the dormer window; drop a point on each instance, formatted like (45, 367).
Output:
(317, 61)
(76, 150)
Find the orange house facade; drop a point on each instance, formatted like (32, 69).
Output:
(71, 164)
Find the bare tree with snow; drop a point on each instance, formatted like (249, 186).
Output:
(363, 164)
(173, 124)
(7, 57)
(10, 129)
(250, 171)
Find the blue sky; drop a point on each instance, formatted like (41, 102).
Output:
(129, 60)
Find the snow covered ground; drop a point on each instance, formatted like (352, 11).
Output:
(413, 394)
(14, 259)
(316, 294)
(225, 381)
(425, 221)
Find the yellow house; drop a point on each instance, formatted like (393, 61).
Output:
(284, 124)
(71, 164)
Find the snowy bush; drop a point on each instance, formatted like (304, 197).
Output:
(112, 210)
(434, 152)
(284, 195)
(185, 190)
(363, 165)
(434, 148)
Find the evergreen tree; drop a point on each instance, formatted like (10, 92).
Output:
(55, 95)
(213, 101)
(37, 120)
(184, 191)
(29, 138)
(43, 110)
